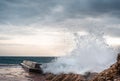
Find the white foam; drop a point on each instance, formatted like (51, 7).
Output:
(90, 54)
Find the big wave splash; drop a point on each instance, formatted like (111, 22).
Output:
(91, 54)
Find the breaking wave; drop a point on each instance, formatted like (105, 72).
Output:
(91, 53)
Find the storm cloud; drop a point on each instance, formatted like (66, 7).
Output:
(28, 11)
(70, 14)
(23, 22)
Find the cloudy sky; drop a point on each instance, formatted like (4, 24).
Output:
(45, 27)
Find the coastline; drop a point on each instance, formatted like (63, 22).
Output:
(17, 73)
(14, 72)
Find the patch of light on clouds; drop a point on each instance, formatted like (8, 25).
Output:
(45, 40)
(114, 41)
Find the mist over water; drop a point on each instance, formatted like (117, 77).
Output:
(91, 53)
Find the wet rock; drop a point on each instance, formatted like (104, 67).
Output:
(110, 74)
(65, 77)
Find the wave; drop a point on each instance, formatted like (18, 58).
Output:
(91, 53)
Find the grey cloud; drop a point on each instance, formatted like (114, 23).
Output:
(93, 8)
(5, 38)
(24, 12)
(16, 30)
(106, 26)
(115, 32)
(29, 11)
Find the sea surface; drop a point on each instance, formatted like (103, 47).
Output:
(18, 59)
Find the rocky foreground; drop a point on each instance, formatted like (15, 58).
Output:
(70, 77)
(16, 73)
(110, 74)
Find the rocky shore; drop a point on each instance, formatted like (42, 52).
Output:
(70, 77)
(16, 73)
(110, 74)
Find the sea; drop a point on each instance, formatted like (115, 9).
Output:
(19, 59)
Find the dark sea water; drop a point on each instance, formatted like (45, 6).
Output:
(18, 60)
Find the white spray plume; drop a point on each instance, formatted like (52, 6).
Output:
(90, 54)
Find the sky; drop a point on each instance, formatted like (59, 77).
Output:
(45, 27)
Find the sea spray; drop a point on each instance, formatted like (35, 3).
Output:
(90, 54)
